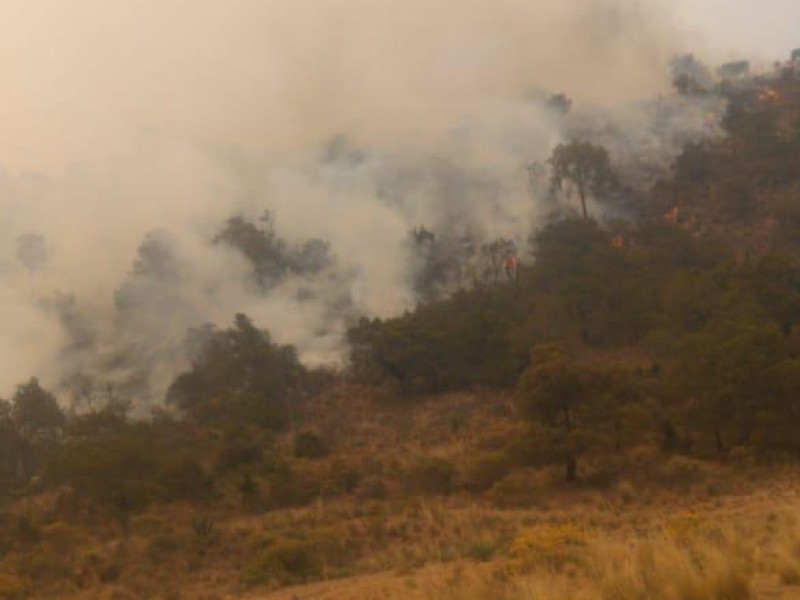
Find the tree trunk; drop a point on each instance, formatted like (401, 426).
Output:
(572, 468)
(582, 194)
(718, 438)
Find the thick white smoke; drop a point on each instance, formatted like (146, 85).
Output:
(353, 121)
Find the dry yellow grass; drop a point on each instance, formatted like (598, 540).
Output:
(720, 536)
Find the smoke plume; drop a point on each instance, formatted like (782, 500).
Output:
(133, 130)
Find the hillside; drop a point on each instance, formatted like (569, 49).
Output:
(610, 413)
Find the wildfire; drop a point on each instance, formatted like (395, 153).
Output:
(672, 215)
(769, 95)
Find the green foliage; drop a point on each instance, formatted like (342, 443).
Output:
(181, 476)
(271, 257)
(574, 406)
(297, 557)
(728, 372)
(587, 167)
(35, 410)
(123, 468)
(114, 471)
(450, 345)
(286, 561)
(241, 446)
(240, 376)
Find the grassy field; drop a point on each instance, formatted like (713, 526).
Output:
(647, 526)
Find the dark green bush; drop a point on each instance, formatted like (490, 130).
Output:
(483, 470)
(430, 475)
(309, 445)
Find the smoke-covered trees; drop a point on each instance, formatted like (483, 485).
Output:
(690, 77)
(272, 257)
(32, 251)
(240, 375)
(34, 410)
(466, 340)
(10, 447)
(443, 264)
(587, 167)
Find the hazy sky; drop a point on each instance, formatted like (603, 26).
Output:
(769, 29)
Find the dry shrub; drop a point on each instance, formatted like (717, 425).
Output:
(372, 487)
(310, 445)
(683, 470)
(46, 564)
(550, 546)
(664, 568)
(165, 545)
(626, 491)
(483, 470)
(786, 556)
(430, 475)
(62, 536)
(299, 557)
(495, 584)
(11, 587)
(151, 524)
(518, 489)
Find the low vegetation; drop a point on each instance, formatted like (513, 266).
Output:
(616, 420)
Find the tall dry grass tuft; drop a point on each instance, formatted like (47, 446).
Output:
(707, 565)
(664, 567)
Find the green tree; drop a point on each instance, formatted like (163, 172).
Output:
(587, 167)
(10, 447)
(239, 374)
(690, 77)
(35, 410)
(554, 393)
(728, 373)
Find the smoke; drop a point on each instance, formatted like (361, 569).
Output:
(133, 130)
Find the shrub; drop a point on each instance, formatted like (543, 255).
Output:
(662, 568)
(372, 487)
(518, 489)
(482, 471)
(430, 475)
(237, 450)
(552, 546)
(163, 546)
(305, 557)
(62, 536)
(309, 445)
(46, 564)
(345, 476)
(683, 470)
(11, 587)
(183, 477)
(294, 485)
(286, 561)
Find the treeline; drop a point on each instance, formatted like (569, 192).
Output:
(677, 329)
